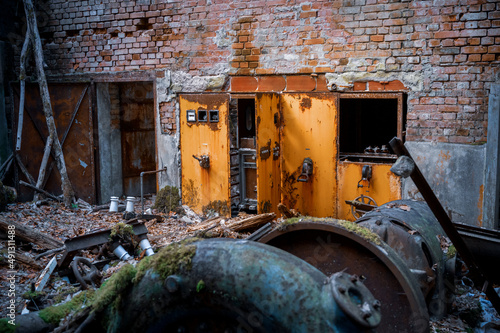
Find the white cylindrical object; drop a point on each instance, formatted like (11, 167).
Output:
(144, 244)
(130, 204)
(113, 206)
(121, 253)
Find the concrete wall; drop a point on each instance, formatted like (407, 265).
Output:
(455, 172)
(110, 152)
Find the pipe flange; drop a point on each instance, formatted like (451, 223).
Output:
(355, 299)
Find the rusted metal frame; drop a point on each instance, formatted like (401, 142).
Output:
(66, 132)
(445, 221)
(91, 139)
(97, 238)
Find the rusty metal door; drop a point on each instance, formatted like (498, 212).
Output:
(72, 110)
(309, 152)
(137, 124)
(204, 140)
(268, 152)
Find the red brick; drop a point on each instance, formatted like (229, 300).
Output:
(314, 41)
(243, 83)
(271, 83)
(395, 85)
(321, 83)
(447, 34)
(359, 86)
(300, 83)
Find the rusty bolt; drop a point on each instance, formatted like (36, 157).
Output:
(341, 290)
(376, 304)
(172, 283)
(378, 222)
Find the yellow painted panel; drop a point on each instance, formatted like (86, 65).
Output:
(201, 186)
(384, 185)
(309, 130)
(268, 164)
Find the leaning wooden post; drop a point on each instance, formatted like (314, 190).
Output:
(47, 106)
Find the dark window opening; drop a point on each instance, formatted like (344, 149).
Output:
(246, 118)
(366, 127)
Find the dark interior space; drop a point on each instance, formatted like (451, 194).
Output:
(246, 118)
(366, 122)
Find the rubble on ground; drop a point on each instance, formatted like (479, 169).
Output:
(471, 311)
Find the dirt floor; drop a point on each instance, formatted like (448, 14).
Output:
(471, 311)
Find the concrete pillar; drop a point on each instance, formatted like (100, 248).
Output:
(492, 165)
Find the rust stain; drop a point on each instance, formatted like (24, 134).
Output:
(305, 103)
(190, 193)
(265, 151)
(216, 206)
(265, 206)
(480, 206)
(289, 180)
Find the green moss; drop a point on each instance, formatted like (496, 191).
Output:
(351, 226)
(285, 223)
(200, 286)
(33, 294)
(121, 230)
(54, 314)
(168, 260)
(114, 286)
(167, 200)
(5, 327)
(361, 231)
(452, 251)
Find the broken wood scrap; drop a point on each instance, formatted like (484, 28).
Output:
(33, 187)
(250, 222)
(27, 260)
(209, 223)
(287, 213)
(30, 235)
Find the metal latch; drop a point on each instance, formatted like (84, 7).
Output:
(307, 169)
(204, 161)
(366, 174)
(276, 151)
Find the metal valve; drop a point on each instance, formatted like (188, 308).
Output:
(204, 161)
(307, 170)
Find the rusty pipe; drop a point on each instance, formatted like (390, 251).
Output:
(142, 185)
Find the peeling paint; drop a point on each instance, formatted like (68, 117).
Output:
(83, 164)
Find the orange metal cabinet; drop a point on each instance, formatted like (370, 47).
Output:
(309, 134)
(268, 152)
(204, 133)
(384, 186)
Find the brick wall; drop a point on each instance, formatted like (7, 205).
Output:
(452, 46)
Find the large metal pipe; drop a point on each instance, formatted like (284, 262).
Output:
(234, 286)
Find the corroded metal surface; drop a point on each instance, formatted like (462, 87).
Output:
(73, 117)
(200, 186)
(244, 286)
(383, 186)
(268, 152)
(410, 228)
(309, 130)
(331, 248)
(137, 125)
